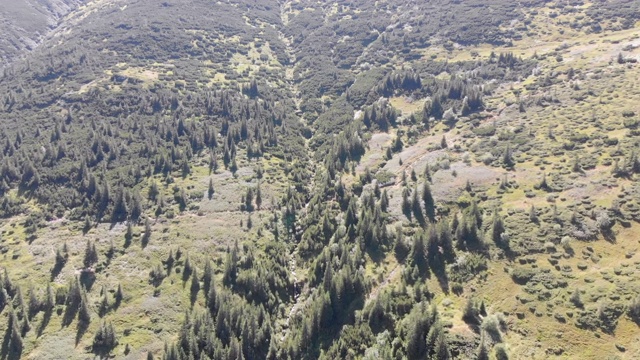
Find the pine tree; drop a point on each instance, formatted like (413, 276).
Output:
(231, 266)
(501, 352)
(34, 303)
(258, 197)
(429, 203)
(427, 173)
(49, 301)
(87, 225)
(84, 315)
(104, 304)
(147, 232)
(15, 337)
(406, 204)
(195, 285)
(397, 144)
(482, 353)
(415, 206)
(119, 212)
(212, 300)
(234, 166)
(211, 190)
(135, 208)
(533, 216)
(497, 229)
(118, 296)
(384, 201)
(153, 191)
(90, 255)
(105, 338)
(207, 278)
(128, 235)
(507, 157)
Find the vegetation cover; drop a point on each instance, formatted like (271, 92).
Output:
(312, 180)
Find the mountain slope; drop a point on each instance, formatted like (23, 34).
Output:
(301, 180)
(24, 23)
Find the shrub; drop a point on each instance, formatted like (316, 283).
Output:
(634, 310)
(491, 325)
(522, 275)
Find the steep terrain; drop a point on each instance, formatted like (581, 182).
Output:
(302, 179)
(25, 23)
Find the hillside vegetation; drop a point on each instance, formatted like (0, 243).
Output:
(300, 180)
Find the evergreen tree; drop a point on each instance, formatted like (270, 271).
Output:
(15, 335)
(507, 157)
(105, 338)
(497, 229)
(84, 315)
(482, 353)
(49, 301)
(135, 208)
(231, 266)
(34, 303)
(416, 208)
(429, 203)
(258, 197)
(119, 212)
(533, 215)
(90, 255)
(153, 191)
(195, 285)
(104, 304)
(118, 296)
(384, 201)
(147, 232)
(211, 190)
(406, 204)
(207, 278)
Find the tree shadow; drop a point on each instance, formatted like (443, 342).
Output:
(569, 251)
(144, 240)
(194, 295)
(609, 235)
(509, 254)
(440, 273)
(70, 312)
(45, 321)
(87, 279)
(4, 351)
(81, 330)
(443, 281)
(9, 350)
(55, 271)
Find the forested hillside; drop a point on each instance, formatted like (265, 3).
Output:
(275, 179)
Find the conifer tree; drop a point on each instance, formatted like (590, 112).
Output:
(195, 285)
(15, 335)
(211, 190)
(84, 315)
(429, 203)
(207, 277)
(90, 255)
(258, 197)
(415, 206)
(384, 201)
(118, 296)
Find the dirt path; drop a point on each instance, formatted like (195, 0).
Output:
(376, 290)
